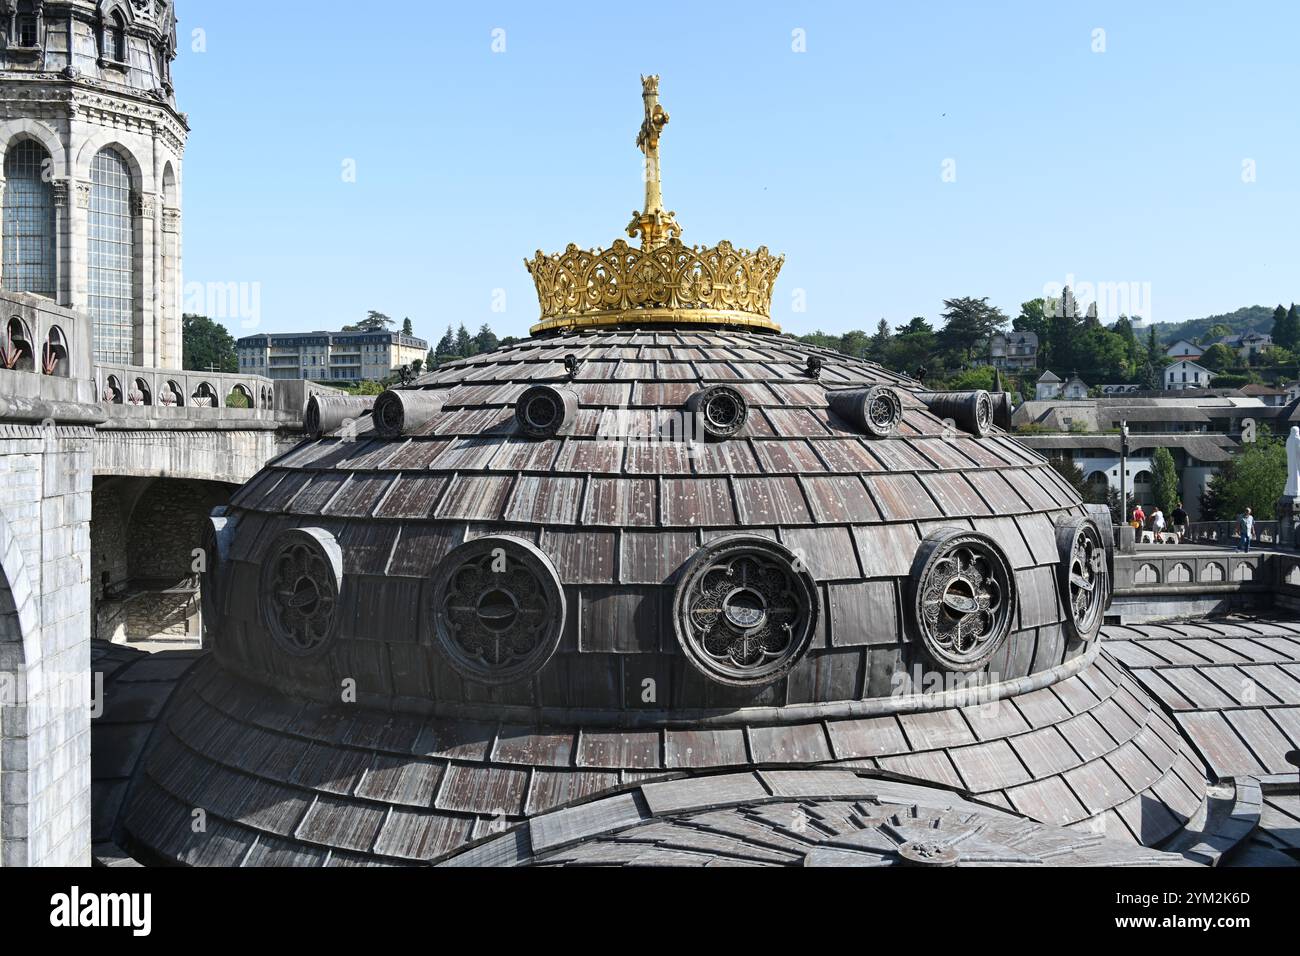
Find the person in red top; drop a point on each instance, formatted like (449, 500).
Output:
(1139, 516)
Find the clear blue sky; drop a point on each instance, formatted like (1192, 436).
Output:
(1119, 166)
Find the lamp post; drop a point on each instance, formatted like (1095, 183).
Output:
(1123, 472)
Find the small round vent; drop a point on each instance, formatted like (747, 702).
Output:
(544, 411)
(721, 411)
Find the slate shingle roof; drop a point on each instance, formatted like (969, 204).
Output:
(1233, 688)
(329, 784)
(619, 517)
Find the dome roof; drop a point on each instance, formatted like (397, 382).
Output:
(629, 547)
(614, 515)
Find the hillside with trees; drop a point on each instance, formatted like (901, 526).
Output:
(953, 352)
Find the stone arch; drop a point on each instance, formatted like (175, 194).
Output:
(1097, 478)
(109, 139)
(245, 397)
(172, 395)
(113, 393)
(169, 188)
(1147, 574)
(1244, 571)
(1180, 573)
(141, 393)
(55, 356)
(164, 525)
(15, 131)
(204, 396)
(20, 654)
(1212, 572)
(18, 351)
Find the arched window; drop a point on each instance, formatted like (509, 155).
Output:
(140, 394)
(171, 395)
(112, 391)
(26, 24)
(117, 37)
(54, 356)
(28, 221)
(112, 260)
(16, 349)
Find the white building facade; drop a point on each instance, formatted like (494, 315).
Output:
(91, 148)
(330, 357)
(1186, 374)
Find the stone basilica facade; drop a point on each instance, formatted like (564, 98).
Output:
(92, 143)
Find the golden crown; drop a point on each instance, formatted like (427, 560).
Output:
(664, 280)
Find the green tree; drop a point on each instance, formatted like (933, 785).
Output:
(968, 323)
(1290, 330)
(878, 347)
(1254, 479)
(912, 347)
(446, 345)
(1219, 358)
(207, 344)
(486, 340)
(1134, 353)
(1164, 480)
(464, 342)
(367, 387)
(407, 328)
(1032, 318)
(1101, 355)
(972, 379)
(373, 322)
(1063, 329)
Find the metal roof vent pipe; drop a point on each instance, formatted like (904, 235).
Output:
(405, 411)
(328, 413)
(876, 411)
(972, 412)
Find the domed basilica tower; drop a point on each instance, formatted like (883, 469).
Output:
(92, 142)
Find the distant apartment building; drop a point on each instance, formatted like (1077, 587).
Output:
(332, 357)
(1248, 345)
(1013, 351)
(1187, 374)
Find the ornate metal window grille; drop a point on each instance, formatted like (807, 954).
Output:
(963, 598)
(498, 609)
(745, 610)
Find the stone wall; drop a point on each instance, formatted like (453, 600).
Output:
(45, 511)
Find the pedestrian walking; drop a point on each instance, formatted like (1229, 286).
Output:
(1179, 517)
(1246, 528)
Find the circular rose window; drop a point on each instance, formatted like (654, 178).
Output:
(498, 609)
(963, 598)
(1084, 575)
(301, 578)
(745, 610)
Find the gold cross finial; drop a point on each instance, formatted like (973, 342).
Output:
(655, 226)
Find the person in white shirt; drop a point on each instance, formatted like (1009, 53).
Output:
(1157, 521)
